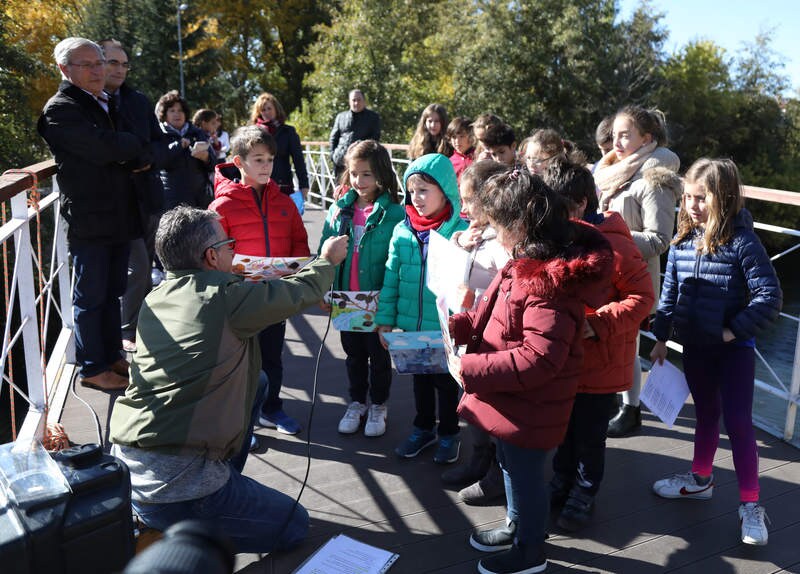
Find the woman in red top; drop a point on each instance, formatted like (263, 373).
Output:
(525, 351)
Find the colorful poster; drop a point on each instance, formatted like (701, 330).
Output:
(417, 352)
(353, 310)
(267, 268)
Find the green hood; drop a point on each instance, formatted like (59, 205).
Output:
(440, 168)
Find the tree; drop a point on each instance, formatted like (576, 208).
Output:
(395, 51)
(557, 63)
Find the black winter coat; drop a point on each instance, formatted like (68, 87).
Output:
(186, 179)
(737, 288)
(94, 152)
(288, 146)
(348, 128)
(137, 111)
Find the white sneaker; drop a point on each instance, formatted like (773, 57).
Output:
(376, 421)
(683, 486)
(352, 418)
(751, 519)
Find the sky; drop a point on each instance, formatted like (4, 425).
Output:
(729, 23)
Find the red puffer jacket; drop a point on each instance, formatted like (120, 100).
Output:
(525, 342)
(608, 363)
(266, 226)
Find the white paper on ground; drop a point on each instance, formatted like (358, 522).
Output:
(665, 391)
(344, 555)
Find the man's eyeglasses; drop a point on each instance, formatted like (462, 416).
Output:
(118, 64)
(89, 66)
(230, 241)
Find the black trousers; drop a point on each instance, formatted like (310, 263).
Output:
(271, 342)
(369, 367)
(426, 390)
(581, 458)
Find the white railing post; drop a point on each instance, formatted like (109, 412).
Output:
(29, 322)
(794, 390)
(60, 246)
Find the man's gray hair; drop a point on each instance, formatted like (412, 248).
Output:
(183, 235)
(63, 50)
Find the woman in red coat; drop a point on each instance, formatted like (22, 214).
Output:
(609, 342)
(524, 351)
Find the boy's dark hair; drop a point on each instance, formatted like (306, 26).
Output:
(498, 135)
(246, 138)
(168, 100)
(551, 143)
(459, 125)
(379, 161)
(203, 115)
(573, 182)
(604, 134)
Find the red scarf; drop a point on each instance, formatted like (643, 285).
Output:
(271, 126)
(422, 223)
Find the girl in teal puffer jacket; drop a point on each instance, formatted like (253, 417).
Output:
(367, 212)
(432, 202)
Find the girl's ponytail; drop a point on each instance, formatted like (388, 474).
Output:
(652, 122)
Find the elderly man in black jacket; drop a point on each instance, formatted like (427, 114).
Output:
(356, 124)
(137, 109)
(95, 153)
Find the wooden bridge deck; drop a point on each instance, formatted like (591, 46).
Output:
(357, 486)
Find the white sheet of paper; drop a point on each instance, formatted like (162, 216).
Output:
(447, 264)
(665, 391)
(344, 555)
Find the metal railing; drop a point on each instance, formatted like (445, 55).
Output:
(39, 290)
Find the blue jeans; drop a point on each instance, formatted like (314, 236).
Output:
(527, 496)
(100, 278)
(248, 512)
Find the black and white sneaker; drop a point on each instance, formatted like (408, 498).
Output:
(494, 540)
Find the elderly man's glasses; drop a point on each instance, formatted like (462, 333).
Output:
(230, 241)
(89, 66)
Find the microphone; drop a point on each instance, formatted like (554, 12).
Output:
(345, 218)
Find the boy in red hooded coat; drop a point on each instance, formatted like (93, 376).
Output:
(265, 223)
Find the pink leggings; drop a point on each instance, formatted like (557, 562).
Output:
(721, 378)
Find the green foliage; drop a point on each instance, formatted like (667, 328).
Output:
(20, 145)
(395, 51)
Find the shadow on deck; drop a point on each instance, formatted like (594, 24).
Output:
(357, 485)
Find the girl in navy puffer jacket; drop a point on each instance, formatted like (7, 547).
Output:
(720, 290)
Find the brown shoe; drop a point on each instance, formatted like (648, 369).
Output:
(108, 381)
(121, 368)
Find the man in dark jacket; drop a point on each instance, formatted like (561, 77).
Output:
(139, 115)
(95, 153)
(357, 123)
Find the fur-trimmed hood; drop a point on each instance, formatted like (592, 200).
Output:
(662, 177)
(588, 264)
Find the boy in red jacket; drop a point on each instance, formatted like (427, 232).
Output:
(265, 223)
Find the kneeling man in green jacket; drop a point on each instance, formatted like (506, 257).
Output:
(185, 422)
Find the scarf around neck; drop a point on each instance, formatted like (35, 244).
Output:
(421, 223)
(612, 173)
(271, 126)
